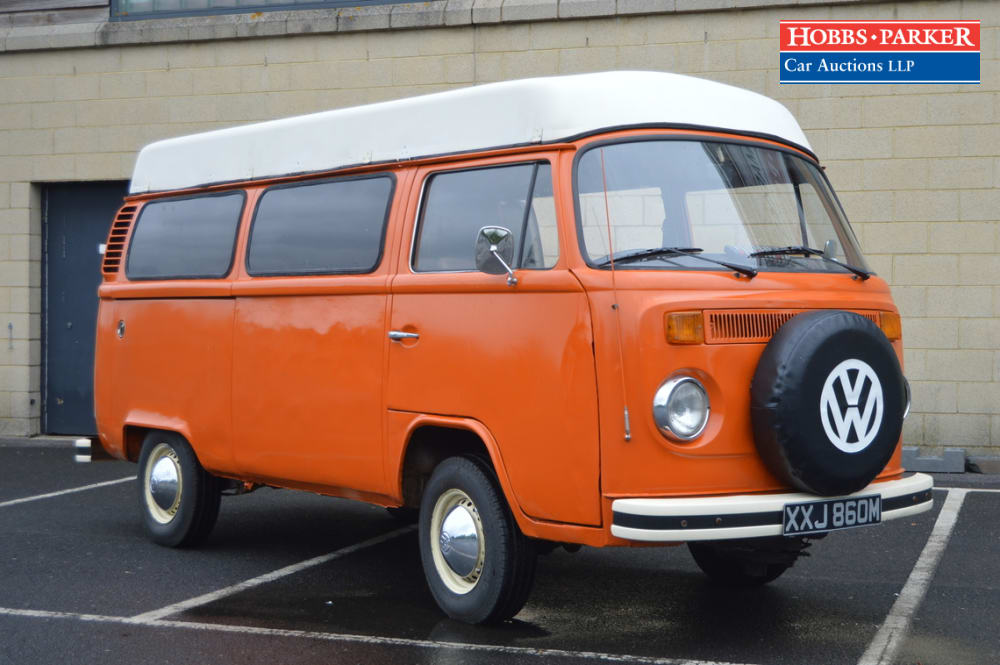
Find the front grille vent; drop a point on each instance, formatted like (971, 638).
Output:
(115, 247)
(752, 326)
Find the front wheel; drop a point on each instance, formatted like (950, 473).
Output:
(749, 562)
(478, 564)
(178, 499)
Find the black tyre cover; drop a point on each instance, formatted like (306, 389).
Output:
(827, 401)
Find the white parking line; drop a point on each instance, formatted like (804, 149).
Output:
(212, 596)
(359, 639)
(14, 502)
(888, 639)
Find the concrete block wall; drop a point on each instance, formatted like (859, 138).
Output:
(917, 166)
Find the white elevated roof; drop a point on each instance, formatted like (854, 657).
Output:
(481, 117)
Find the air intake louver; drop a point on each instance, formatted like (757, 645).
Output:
(115, 248)
(752, 326)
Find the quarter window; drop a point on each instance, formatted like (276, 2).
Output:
(320, 228)
(459, 203)
(185, 238)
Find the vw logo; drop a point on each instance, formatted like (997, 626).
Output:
(445, 542)
(850, 424)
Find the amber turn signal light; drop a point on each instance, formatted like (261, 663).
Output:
(889, 322)
(685, 327)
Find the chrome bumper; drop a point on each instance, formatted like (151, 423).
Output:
(748, 515)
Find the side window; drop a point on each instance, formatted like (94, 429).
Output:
(185, 238)
(320, 228)
(459, 203)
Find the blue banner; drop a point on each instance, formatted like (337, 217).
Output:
(882, 67)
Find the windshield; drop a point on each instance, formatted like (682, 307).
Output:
(762, 208)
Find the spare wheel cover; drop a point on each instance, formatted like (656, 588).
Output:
(827, 402)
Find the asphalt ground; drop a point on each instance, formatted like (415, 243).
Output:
(291, 577)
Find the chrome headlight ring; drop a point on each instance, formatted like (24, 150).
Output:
(681, 408)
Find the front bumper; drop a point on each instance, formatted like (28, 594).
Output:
(748, 515)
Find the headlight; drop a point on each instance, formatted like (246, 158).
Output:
(680, 408)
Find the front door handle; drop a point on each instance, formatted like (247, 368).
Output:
(399, 335)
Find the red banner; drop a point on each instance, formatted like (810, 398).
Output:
(910, 36)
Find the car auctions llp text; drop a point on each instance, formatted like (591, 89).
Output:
(854, 65)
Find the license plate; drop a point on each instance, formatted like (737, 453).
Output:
(831, 514)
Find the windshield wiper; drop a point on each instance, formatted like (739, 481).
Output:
(656, 252)
(811, 251)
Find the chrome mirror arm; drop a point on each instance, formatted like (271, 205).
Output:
(511, 279)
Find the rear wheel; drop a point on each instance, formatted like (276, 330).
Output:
(178, 499)
(750, 562)
(478, 564)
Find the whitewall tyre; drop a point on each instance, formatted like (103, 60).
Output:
(478, 564)
(178, 499)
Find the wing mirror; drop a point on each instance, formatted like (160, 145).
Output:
(830, 249)
(495, 252)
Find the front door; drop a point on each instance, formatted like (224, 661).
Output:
(518, 358)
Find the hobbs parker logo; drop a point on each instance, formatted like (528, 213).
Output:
(851, 405)
(879, 52)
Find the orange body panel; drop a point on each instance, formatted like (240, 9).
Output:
(306, 403)
(724, 458)
(106, 411)
(173, 370)
(292, 381)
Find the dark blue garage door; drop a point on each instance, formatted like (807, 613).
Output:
(76, 222)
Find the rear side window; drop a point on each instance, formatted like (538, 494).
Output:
(459, 203)
(185, 238)
(320, 228)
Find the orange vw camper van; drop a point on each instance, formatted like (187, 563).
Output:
(603, 309)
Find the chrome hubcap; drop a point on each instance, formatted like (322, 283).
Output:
(457, 543)
(163, 483)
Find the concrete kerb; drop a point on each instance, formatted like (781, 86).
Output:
(458, 12)
(423, 15)
(986, 465)
(347, 19)
(38, 442)
(952, 460)
(529, 10)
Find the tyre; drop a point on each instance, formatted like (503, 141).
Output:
(747, 563)
(827, 402)
(178, 499)
(478, 564)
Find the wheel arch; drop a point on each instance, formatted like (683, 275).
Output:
(138, 425)
(132, 438)
(428, 440)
